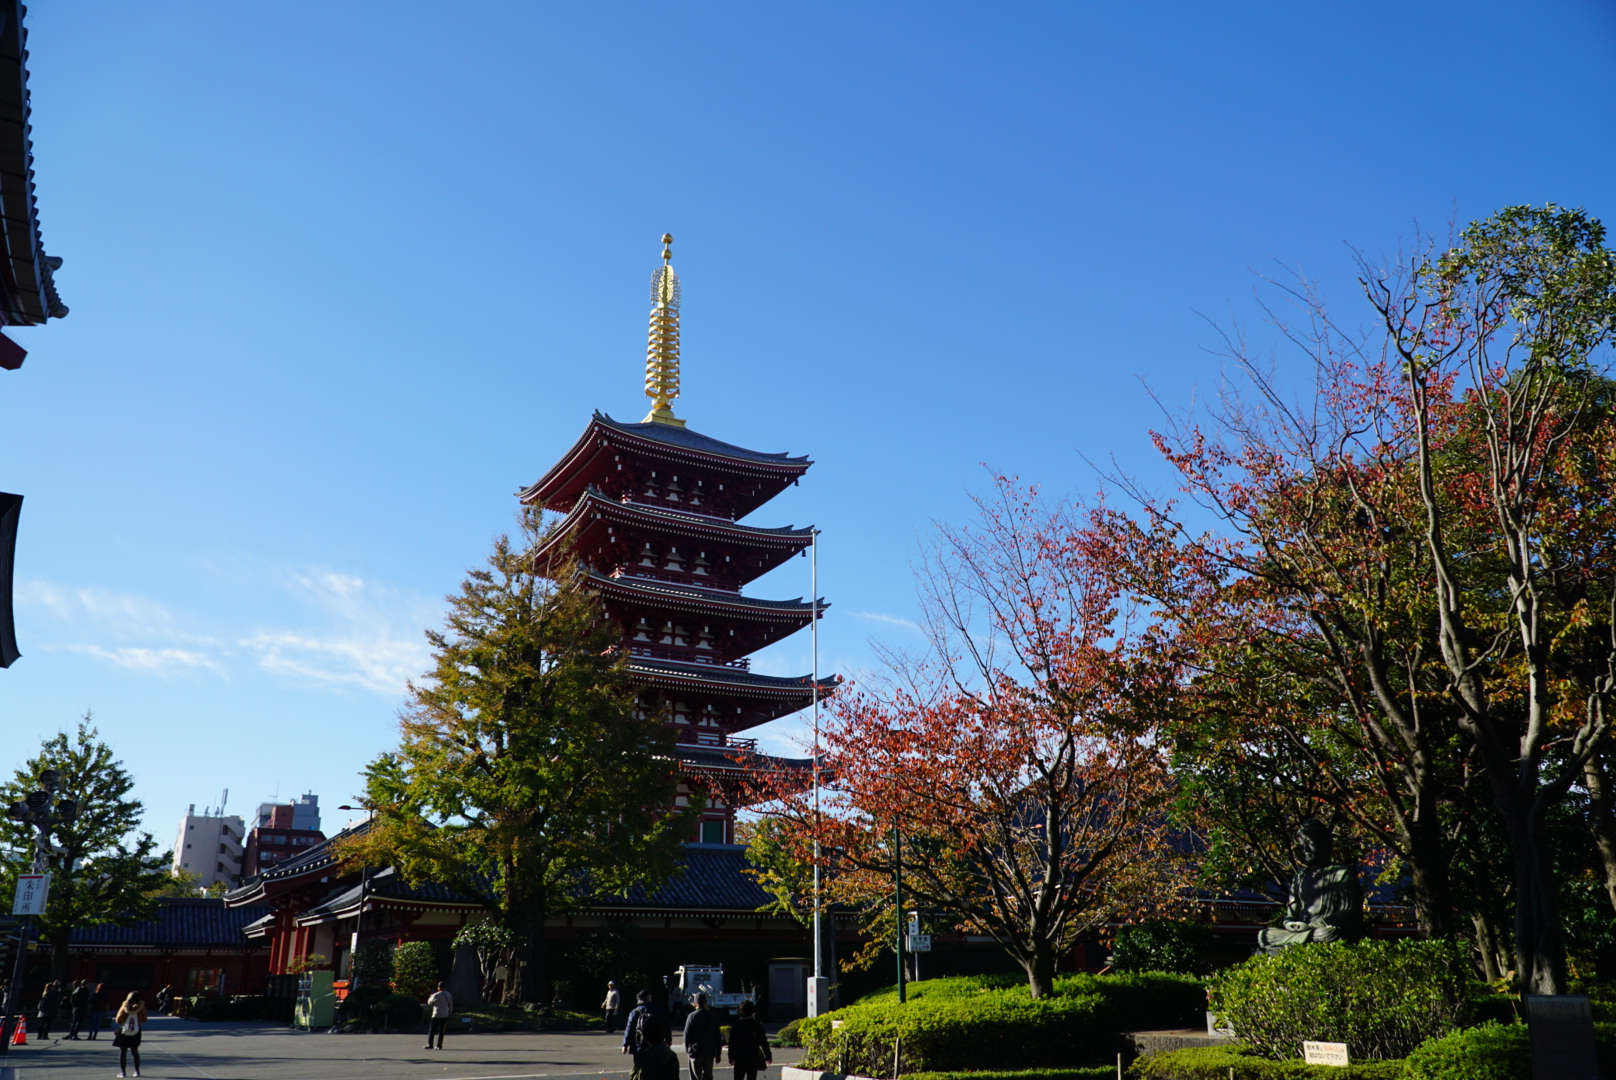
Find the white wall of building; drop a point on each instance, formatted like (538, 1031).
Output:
(210, 847)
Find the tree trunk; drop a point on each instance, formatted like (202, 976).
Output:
(1428, 859)
(1486, 940)
(1602, 818)
(533, 980)
(1540, 960)
(1040, 968)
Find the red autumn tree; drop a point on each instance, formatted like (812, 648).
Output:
(1415, 581)
(1015, 759)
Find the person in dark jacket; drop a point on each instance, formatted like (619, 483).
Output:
(98, 1008)
(749, 1048)
(78, 1003)
(50, 1003)
(649, 1037)
(704, 1042)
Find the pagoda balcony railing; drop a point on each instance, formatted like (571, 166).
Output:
(628, 500)
(719, 739)
(682, 656)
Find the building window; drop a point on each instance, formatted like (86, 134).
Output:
(712, 832)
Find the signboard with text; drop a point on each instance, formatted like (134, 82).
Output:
(32, 892)
(1325, 1053)
(920, 943)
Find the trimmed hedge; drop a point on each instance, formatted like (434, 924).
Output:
(1381, 998)
(1093, 1072)
(993, 1023)
(241, 1007)
(1214, 1063)
(1490, 1051)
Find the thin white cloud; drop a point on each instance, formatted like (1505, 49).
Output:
(372, 638)
(891, 620)
(160, 662)
(328, 627)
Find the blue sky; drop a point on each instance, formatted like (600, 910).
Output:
(344, 277)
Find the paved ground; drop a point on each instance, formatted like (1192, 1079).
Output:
(187, 1050)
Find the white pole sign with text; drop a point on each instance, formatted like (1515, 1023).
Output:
(32, 892)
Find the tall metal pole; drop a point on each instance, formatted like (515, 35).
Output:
(819, 936)
(897, 902)
(38, 810)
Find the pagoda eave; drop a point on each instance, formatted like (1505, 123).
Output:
(648, 593)
(588, 459)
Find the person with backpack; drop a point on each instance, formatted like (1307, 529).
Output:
(126, 1028)
(749, 1049)
(649, 1037)
(704, 1042)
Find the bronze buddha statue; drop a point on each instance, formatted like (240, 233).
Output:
(1325, 901)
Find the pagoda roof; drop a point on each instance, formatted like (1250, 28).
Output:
(741, 682)
(736, 759)
(668, 594)
(575, 472)
(594, 503)
(27, 291)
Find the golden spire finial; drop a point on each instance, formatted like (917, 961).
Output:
(662, 348)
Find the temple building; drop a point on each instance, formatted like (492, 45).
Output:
(652, 514)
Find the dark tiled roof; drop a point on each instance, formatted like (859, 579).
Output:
(686, 439)
(318, 857)
(710, 876)
(386, 884)
(30, 295)
(680, 591)
(180, 921)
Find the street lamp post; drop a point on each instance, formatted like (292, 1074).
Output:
(41, 809)
(364, 891)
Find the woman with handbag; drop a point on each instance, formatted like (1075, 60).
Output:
(126, 1027)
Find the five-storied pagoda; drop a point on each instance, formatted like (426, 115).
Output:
(652, 513)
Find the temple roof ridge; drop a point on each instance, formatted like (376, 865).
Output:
(691, 439)
(696, 517)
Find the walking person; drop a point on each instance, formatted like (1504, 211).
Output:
(704, 1042)
(609, 1007)
(78, 1004)
(649, 1037)
(50, 1003)
(749, 1048)
(442, 1003)
(126, 1028)
(98, 1007)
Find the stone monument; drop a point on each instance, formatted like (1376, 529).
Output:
(1325, 902)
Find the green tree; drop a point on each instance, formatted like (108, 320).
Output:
(103, 869)
(183, 883)
(527, 775)
(415, 969)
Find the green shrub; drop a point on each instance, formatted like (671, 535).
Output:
(1381, 998)
(991, 1023)
(789, 1035)
(1163, 946)
(396, 1012)
(415, 969)
(1493, 1051)
(1214, 1063)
